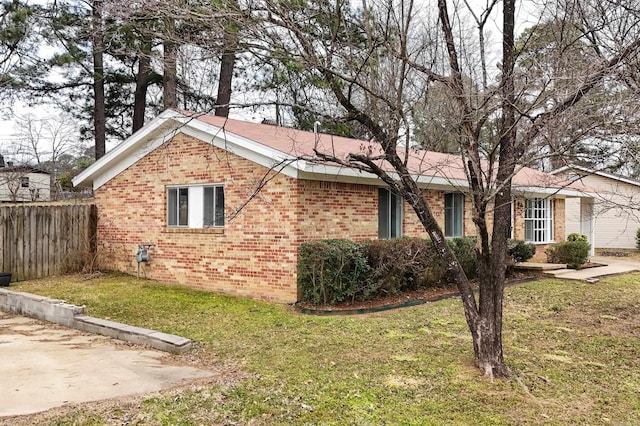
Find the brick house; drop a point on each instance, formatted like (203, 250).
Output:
(189, 184)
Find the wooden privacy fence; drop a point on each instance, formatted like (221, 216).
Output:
(41, 240)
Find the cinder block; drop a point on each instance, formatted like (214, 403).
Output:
(59, 312)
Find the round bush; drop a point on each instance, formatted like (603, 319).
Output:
(573, 253)
(520, 251)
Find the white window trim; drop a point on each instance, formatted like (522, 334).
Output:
(195, 206)
(548, 220)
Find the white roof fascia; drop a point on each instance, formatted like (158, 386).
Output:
(118, 167)
(130, 144)
(319, 171)
(537, 190)
(598, 173)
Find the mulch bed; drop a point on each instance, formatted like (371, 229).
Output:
(396, 301)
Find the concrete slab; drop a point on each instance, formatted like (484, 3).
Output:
(612, 266)
(45, 366)
(539, 267)
(59, 312)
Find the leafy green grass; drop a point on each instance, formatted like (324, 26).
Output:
(574, 350)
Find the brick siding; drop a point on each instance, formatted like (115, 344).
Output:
(255, 253)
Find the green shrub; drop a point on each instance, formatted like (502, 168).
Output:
(573, 253)
(574, 236)
(520, 251)
(638, 239)
(403, 264)
(465, 250)
(332, 271)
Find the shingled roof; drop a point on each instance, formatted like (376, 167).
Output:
(292, 152)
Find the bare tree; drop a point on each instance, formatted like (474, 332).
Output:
(42, 141)
(377, 62)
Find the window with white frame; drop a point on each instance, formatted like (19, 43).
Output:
(389, 214)
(195, 206)
(453, 215)
(538, 220)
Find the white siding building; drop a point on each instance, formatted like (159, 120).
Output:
(23, 183)
(615, 209)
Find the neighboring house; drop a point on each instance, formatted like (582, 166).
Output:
(227, 203)
(23, 183)
(615, 211)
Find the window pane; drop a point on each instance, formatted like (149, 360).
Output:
(528, 231)
(219, 206)
(457, 214)
(538, 223)
(453, 215)
(208, 206)
(172, 207)
(396, 216)
(183, 206)
(383, 213)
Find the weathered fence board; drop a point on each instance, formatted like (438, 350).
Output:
(41, 240)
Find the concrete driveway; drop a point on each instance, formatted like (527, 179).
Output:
(45, 366)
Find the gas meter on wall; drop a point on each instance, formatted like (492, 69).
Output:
(142, 255)
(143, 252)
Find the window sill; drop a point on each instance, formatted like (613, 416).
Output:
(540, 243)
(218, 231)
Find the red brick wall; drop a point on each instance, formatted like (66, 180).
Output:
(337, 210)
(253, 255)
(412, 226)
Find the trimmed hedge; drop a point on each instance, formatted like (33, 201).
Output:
(520, 251)
(333, 271)
(573, 253)
(402, 264)
(465, 250)
(574, 236)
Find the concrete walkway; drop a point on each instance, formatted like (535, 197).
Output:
(611, 266)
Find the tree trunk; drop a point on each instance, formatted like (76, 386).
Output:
(485, 318)
(99, 115)
(142, 84)
(224, 83)
(484, 322)
(170, 79)
(487, 335)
